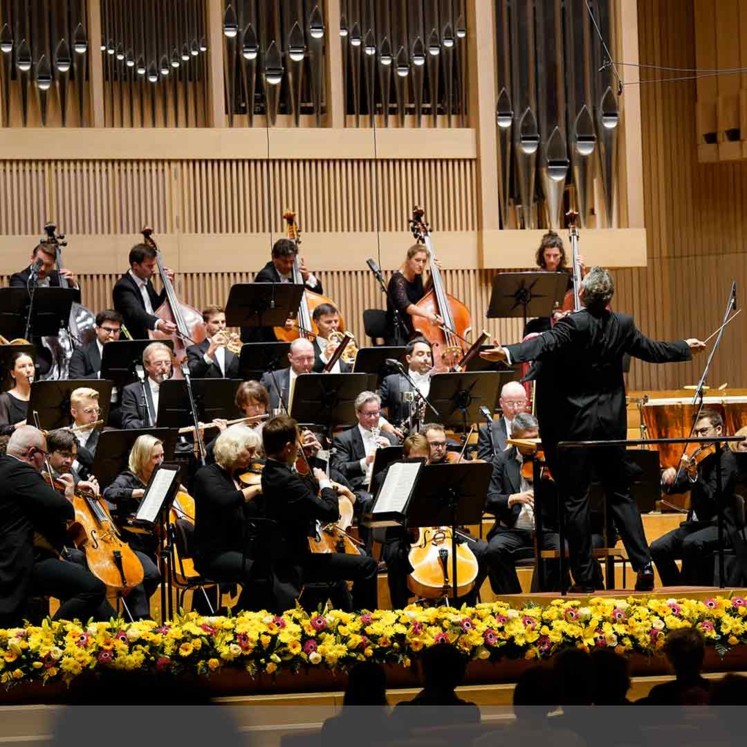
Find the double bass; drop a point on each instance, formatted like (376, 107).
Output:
(305, 325)
(190, 328)
(448, 338)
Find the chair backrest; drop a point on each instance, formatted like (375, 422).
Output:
(374, 324)
(739, 510)
(264, 541)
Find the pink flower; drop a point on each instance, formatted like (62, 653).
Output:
(279, 621)
(676, 609)
(310, 646)
(544, 644)
(366, 618)
(466, 624)
(83, 639)
(417, 627)
(529, 622)
(242, 639)
(163, 664)
(122, 636)
(618, 615)
(490, 637)
(209, 629)
(706, 626)
(738, 602)
(105, 656)
(571, 614)
(163, 629)
(710, 603)
(501, 619)
(318, 623)
(654, 635)
(441, 638)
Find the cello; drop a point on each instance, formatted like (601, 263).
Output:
(190, 328)
(305, 325)
(448, 338)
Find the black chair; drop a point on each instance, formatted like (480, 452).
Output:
(374, 325)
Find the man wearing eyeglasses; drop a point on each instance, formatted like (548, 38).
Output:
(85, 362)
(85, 411)
(696, 540)
(492, 441)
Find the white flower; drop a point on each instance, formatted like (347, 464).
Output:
(657, 623)
(55, 653)
(315, 657)
(512, 614)
(235, 649)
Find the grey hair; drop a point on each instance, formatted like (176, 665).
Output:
(24, 438)
(230, 443)
(524, 421)
(599, 287)
(366, 397)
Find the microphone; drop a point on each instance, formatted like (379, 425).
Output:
(185, 370)
(36, 267)
(485, 412)
(373, 267)
(140, 371)
(393, 362)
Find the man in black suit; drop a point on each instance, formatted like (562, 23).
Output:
(140, 400)
(512, 401)
(581, 396)
(280, 383)
(295, 505)
(29, 505)
(85, 411)
(327, 320)
(419, 358)
(280, 270)
(696, 540)
(211, 358)
(42, 268)
(136, 299)
(85, 362)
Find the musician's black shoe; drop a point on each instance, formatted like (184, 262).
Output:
(645, 580)
(581, 589)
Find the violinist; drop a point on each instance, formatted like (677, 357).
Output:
(295, 504)
(280, 383)
(14, 403)
(140, 400)
(124, 495)
(404, 290)
(212, 358)
(222, 505)
(491, 440)
(581, 396)
(327, 319)
(85, 411)
(41, 271)
(696, 539)
(394, 387)
(136, 299)
(280, 270)
(29, 505)
(85, 362)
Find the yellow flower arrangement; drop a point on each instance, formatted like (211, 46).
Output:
(260, 642)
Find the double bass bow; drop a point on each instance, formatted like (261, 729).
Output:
(190, 328)
(304, 325)
(448, 337)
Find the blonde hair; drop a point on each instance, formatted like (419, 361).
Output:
(141, 452)
(734, 445)
(81, 393)
(231, 442)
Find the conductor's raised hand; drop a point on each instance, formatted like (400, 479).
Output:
(696, 346)
(496, 354)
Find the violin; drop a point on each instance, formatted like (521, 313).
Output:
(305, 325)
(190, 328)
(448, 337)
(253, 474)
(691, 463)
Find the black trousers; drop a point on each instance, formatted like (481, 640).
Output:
(693, 542)
(138, 600)
(234, 567)
(573, 471)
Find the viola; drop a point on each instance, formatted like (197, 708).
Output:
(182, 509)
(190, 328)
(305, 325)
(448, 338)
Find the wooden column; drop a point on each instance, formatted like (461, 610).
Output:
(333, 67)
(217, 90)
(96, 69)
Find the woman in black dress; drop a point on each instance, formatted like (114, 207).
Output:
(14, 403)
(404, 291)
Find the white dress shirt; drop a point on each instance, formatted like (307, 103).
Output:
(143, 287)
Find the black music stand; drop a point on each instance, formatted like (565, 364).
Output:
(51, 399)
(258, 357)
(374, 360)
(526, 294)
(113, 451)
(383, 457)
(50, 313)
(214, 398)
(459, 396)
(6, 353)
(449, 495)
(120, 357)
(262, 304)
(327, 399)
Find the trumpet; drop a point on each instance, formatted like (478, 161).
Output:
(351, 349)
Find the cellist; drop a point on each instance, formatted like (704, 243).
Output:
(280, 270)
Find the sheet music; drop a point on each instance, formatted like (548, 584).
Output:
(397, 487)
(157, 491)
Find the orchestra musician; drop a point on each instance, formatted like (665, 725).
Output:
(85, 411)
(85, 362)
(136, 299)
(492, 441)
(222, 506)
(581, 396)
(124, 496)
(140, 399)
(404, 290)
(280, 270)
(42, 271)
(14, 402)
(280, 383)
(327, 319)
(296, 504)
(696, 538)
(29, 505)
(419, 359)
(211, 358)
